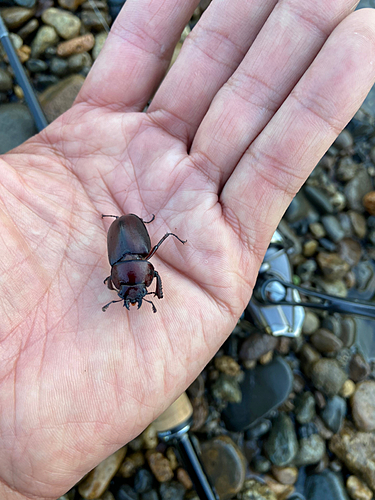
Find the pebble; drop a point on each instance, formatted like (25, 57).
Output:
(184, 478)
(308, 356)
(59, 66)
(357, 489)
(15, 17)
(327, 376)
(363, 406)
(256, 345)
(369, 202)
(70, 4)
(325, 341)
(337, 287)
(227, 389)
(333, 228)
(92, 21)
(131, 464)
(359, 224)
(78, 61)
(347, 168)
(59, 97)
(36, 65)
(16, 40)
(334, 413)
(159, 466)
(347, 389)
(126, 492)
(28, 28)
(67, 25)
(356, 189)
(99, 43)
(359, 369)
(225, 466)
(143, 481)
(46, 36)
(16, 125)
(356, 450)
(344, 140)
(153, 495)
(332, 265)
(350, 250)
(285, 475)
(6, 81)
(319, 199)
(150, 437)
(317, 230)
(322, 429)
(310, 247)
(282, 491)
(326, 485)
(97, 481)
(254, 490)
(227, 365)
(311, 450)
(305, 408)
(172, 491)
(261, 464)
(281, 445)
(76, 45)
(311, 323)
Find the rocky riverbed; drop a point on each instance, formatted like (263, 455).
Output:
(284, 418)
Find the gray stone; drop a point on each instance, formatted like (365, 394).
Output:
(319, 199)
(36, 65)
(327, 485)
(333, 228)
(16, 126)
(344, 140)
(59, 66)
(311, 323)
(59, 97)
(305, 408)
(356, 189)
(46, 37)
(281, 445)
(99, 43)
(15, 17)
(6, 81)
(311, 450)
(334, 412)
(327, 376)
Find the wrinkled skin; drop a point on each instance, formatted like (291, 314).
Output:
(230, 136)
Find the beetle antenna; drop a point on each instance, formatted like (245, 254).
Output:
(148, 222)
(149, 301)
(104, 308)
(115, 216)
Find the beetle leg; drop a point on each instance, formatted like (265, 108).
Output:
(159, 289)
(148, 222)
(108, 280)
(153, 307)
(115, 216)
(160, 242)
(104, 308)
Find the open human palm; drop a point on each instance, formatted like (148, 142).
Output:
(258, 93)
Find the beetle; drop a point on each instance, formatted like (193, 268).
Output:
(129, 250)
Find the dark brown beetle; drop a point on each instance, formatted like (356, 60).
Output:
(129, 249)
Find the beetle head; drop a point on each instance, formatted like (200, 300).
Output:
(132, 295)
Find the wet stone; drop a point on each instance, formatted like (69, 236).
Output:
(256, 345)
(311, 323)
(259, 429)
(159, 466)
(337, 287)
(317, 230)
(357, 489)
(76, 45)
(334, 413)
(281, 445)
(309, 356)
(311, 450)
(28, 28)
(15, 17)
(356, 189)
(36, 65)
(172, 491)
(305, 408)
(333, 228)
(347, 169)
(254, 490)
(143, 481)
(261, 464)
(327, 485)
(327, 376)
(227, 365)
(309, 248)
(66, 24)
(6, 81)
(332, 265)
(325, 341)
(126, 492)
(369, 202)
(99, 43)
(97, 481)
(359, 224)
(350, 250)
(356, 450)
(359, 369)
(70, 4)
(344, 140)
(59, 66)
(227, 389)
(92, 21)
(285, 475)
(225, 465)
(184, 478)
(347, 389)
(363, 406)
(46, 36)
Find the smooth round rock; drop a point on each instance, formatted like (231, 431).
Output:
(357, 188)
(14, 17)
(227, 365)
(46, 36)
(350, 250)
(76, 45)
(172, 491)
(359, 369)
(59, 66)
(225, 466)
(6, 81)
(285, 475)
(333, 228)
(369, 202)
(99, 43)
(344, 140)
(126, 492)
(327, 376)
(363, 406)
(305, 408)
(255, 490)
(334, 412)
(66, 24)
(36, 65)
(311, 450)
(28, 28)
(332, 265)
(327, 485)
(159, 466)
(227, 389)
(325, 341)
(281, 445)
(256, 345)
(60, 97)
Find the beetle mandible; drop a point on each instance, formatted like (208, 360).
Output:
(129, 249)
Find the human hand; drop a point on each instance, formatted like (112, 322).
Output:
(259, 92)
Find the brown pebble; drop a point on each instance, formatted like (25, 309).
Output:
(14, 17)
(76, 45)
(322, 429)
(24, 53)
(160, 466)
(227, 365)
(266, 358)
(369, 202)
(29, 28)
(359, 369)
(97, 481)
(363, 406)
(172, 458)
(325, 341)
(282, 491)
(150, 438)
(284, 345)
(184, 478)
(131, 464)
(320, 400)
